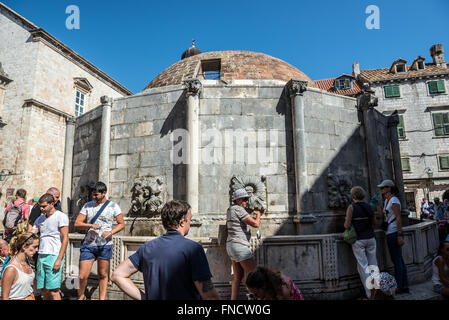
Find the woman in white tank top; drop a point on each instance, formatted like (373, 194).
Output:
(18, 277)
(440, 270)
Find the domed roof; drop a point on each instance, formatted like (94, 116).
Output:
(234, 65)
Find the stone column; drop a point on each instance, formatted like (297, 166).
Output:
(105, 140)
(66, 195)
(393, 122)
(365, 104)
(193, 90)
(295, 89)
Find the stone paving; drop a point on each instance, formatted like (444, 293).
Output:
(421, 291)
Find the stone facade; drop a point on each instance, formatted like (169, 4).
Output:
(416, 105)
(142, 145)
(38, 102)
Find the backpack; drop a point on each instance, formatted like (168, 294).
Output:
(13, 216)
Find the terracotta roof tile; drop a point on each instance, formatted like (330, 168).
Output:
(384, 74)
(328, 85)
(235, 65)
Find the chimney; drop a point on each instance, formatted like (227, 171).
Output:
(436, 52)
(356, 70)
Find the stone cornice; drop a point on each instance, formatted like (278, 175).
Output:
(296, 87)
(41, 105)
(44, 37)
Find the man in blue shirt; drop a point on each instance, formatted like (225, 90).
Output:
(173, 267)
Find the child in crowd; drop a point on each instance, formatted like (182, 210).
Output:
(267, 284)
(386, 287)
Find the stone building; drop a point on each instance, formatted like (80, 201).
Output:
(217, 121)
(44, 85)
(419, 93)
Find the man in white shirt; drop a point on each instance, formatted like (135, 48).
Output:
(97, 244)
(424, 208)
(53, 226)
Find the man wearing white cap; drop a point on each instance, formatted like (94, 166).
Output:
(393, 230)
(239, 234)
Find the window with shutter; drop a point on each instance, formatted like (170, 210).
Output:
(441, 123)
(392, 91)
(436, 86)
(444, 163)
(401, 127)
(405, 162)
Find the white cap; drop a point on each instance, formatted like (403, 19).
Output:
(386, 183)
(240, 193)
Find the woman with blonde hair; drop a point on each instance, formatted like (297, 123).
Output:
(18, 277)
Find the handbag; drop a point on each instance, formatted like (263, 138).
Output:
(92, 221)
(349, 235)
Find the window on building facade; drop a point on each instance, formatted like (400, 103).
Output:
(211, 69)
(401, 127)
(421, 65)
(441, 123)
(436, 86)
(405, 162)
(400, 67)
(343, 84)
(444, 162)
(80, 103)
(392, 91)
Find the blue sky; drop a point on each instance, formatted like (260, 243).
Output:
(134, 40)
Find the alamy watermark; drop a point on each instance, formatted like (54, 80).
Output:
(373, 20)
(372, 281)
(73, 20)
(227, 147)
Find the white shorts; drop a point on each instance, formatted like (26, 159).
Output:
(238, 252)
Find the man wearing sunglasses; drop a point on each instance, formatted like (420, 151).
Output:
(53, 226)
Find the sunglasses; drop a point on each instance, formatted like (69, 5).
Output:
(33, 235)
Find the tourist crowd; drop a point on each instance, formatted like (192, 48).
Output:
(174, 267)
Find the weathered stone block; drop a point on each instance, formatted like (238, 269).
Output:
(230, 106)
(277, 184)
(136, 145)
(119, 146)
(117, 175)
(143, 129)
(121, 131)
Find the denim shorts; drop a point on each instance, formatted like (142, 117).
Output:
(238, 252)
(95, 252)
(438, 287)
